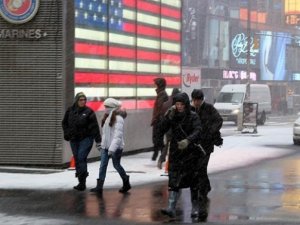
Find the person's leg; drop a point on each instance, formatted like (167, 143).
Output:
(84, 149)
(116, 158)
(158, 141)
(172, 201)
(103, 164)
(102, 172)
(74, 146)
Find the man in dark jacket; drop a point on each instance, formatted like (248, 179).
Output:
(211, 122)
(162, 96)
(81, 128)
(185, 128)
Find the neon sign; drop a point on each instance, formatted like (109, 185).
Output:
(239, 49)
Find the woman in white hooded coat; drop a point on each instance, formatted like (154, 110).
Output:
(112, 144)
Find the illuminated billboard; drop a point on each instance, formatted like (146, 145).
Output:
(239, 49)
(292, 12)
(273, 46)
(122, 45)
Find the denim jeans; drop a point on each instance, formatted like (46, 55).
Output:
(116, 159)
(81, 150)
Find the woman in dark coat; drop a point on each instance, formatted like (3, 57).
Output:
(183, 157)
(81, 128)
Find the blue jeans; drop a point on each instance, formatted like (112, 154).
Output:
(116, 158)
(81, 150)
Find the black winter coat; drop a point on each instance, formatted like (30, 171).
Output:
(182, 162)
(79, 123)
(211, 123)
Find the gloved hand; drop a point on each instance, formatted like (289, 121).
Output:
(98, 146)
(171, 112)
(183, 144)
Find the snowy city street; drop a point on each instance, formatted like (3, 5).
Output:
(238, 195)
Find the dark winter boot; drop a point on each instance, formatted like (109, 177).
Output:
(171, 210)
(195, 203)
(126, 185)
(82, 180)
(99, 188)
(203, 208)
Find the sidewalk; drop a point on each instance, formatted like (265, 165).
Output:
(238, 150)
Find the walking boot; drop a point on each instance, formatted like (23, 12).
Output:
(82, 180)
(195, 203)
(203, 208)
(99, 188)
(171, 210)
(126, 185)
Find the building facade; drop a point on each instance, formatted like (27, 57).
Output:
(217, 35)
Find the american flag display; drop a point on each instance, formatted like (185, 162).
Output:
(122, 45)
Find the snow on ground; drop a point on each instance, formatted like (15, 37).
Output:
(238, 150)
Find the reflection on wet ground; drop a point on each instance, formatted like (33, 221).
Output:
(269, 191)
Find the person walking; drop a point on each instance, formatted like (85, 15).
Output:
(112, 144)
(165, 107)
(211, 122)
(81, 129)
(185, 126)
(162, 96)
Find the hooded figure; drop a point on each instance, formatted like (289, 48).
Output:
(165, 108)
(162, 96)
(81, 128)
(186, 128)
(112, 144)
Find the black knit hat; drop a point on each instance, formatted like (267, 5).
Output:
(197, 94)
(78, 96)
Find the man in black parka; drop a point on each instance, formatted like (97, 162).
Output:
(211, 123)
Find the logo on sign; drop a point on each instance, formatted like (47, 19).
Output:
(190, 79)
(18, 11)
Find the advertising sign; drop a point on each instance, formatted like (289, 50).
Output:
(273, 46)
(239, 49)
(250, 110)
(191, 79)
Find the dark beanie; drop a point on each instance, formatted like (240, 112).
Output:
(78, 96)
(197, 94)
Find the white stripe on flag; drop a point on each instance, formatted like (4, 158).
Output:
(170, 46)
(174, 3)
(148, 19)
(170, 24)
(122, 65)
(122, 92)
(147, 67)
(87, 63)
(90, 34)
(92, 92)
(170, 69)
(122, 39)
(147, 43)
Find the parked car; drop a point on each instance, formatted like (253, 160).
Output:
(296, 132)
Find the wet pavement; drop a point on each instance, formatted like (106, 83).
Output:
(265, 192)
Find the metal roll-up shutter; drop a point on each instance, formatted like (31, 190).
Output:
(31, 88)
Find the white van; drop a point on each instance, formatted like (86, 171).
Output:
(230, 101)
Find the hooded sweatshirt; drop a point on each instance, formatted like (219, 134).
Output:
(80, 122)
